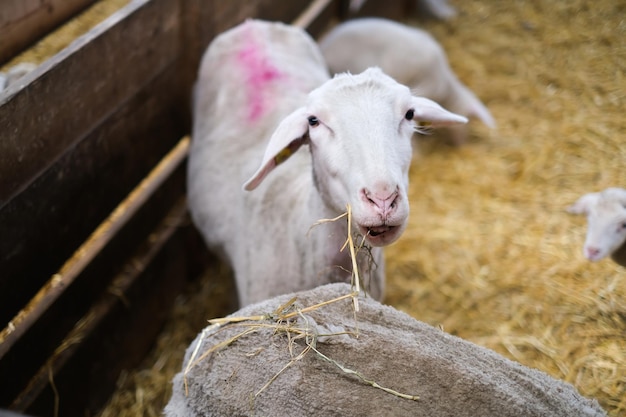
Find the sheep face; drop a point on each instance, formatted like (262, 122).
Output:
(360, 139)
(606, 222)
(359, 129)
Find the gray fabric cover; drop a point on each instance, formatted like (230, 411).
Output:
(452, 377)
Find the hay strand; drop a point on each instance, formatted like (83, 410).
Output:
(364, 379)
(356, 279)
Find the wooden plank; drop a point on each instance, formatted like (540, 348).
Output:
(51, 218)
(122, 135)
(42, 337)
(23, 22)
(320, 16)
(80, 86)
(119, 326)
(100, 237)
(317, 16)
(104, 305)
(45, 337)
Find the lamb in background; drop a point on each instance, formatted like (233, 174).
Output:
(606, 228)
(254, 83)
(411, 56)
(451, 377)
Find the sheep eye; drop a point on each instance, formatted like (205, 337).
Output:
(409, 114)
(623, 225)
(313, 121)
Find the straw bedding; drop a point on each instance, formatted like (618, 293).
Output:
(490, 254)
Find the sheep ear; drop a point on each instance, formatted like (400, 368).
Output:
(583, 204)
(427, 113)
(473, 107)
(290, 134)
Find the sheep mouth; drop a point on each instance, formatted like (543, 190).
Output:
(378, 230)
(380, 235)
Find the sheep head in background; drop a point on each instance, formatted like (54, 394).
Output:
(606, 224)
(409, 55)
(263, 93)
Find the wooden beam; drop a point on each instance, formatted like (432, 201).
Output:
(121, 288)
(80, 136)
(22, 22)
(100, 237)
(78, 88)
(58, 211)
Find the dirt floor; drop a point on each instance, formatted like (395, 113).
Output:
(490, 253)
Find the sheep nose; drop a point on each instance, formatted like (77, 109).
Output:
(384, 202)
(592, 252)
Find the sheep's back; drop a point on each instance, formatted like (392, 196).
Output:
(409, 55)
(250, 78)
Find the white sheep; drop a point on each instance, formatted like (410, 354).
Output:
(411, 56)
(272, 371)
(606, 228)
(254, 83)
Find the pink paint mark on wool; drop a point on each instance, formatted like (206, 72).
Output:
(259, 74)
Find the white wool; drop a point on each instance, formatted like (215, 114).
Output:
(265, 102)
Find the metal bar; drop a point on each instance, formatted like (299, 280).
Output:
(90, 321)
(310, 13)
(91, 247)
